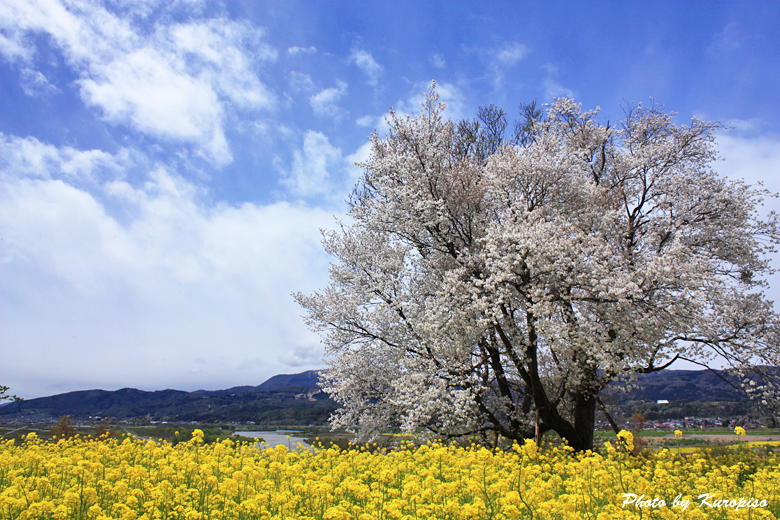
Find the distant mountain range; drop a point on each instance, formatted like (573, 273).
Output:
(683, 385)
(283, 399)
(296, 399)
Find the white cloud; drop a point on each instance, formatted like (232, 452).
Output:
(456, 108)
(35, 84)
(437, 61)
(28, 157)
(175, 82)
(324, 102)
(315, 168)
(89, 301)
(367, 121)
(448, 92)
(725, 42)
(361, 155)
(755, 159)
(295, 51)
(746, 126)
(367, 64)
(512, 53)
(552, 89)
(503, 58)
(226, 52)
(14, 48)
(140, 90)
(301, 81)
(412, 105)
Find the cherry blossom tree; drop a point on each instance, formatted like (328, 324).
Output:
(501, 286)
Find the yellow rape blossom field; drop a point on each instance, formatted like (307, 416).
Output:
(133, 479)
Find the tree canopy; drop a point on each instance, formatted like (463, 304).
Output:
(484, 283)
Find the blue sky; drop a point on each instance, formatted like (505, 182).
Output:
(165, 167)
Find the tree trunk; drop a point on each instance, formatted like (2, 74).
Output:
(581, 437)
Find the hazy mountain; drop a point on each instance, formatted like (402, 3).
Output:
(683, 385)
(306, 379)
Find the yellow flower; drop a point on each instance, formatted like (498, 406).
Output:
(677, 433)
(627, 438)
(739, 430)
(134, 480)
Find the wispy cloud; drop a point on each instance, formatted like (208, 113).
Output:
(551, 87)
(324, 103)
(295, 51)
(301, 81)
(450, 93)
(367, 121)
(367, 64)
(35, 84)
(13, 47)
(512, 53)
(28, 157)
(504, 58)
(725, 42)
(315, 168)
(437, 61)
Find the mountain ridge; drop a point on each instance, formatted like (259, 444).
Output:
(283, 396)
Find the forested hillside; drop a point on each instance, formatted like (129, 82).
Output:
(283, 399)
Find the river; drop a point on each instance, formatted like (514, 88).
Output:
(272, 439)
